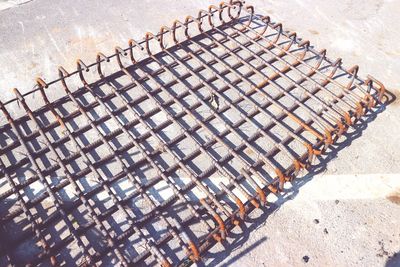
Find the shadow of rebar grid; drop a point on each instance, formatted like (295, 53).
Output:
(154, 154)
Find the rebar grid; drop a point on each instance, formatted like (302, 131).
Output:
(156, 162)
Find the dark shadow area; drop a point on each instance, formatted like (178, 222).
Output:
(20, 246)
(394, 260)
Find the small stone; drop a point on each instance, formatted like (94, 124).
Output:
(336, 201)
(306, 258)
(326, 231)
(316, 221)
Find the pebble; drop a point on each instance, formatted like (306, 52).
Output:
(306, 258)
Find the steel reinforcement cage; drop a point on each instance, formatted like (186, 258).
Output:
(157, 161)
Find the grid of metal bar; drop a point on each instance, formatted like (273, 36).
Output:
(157, 161)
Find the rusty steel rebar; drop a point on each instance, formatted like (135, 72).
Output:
(220, 111)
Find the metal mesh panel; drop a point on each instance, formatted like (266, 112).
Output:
(167, 145)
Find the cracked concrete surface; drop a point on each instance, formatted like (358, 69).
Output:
(355, 196)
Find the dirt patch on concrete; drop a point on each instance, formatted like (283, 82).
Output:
(314, 32)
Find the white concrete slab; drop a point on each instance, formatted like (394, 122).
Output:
(363, 225)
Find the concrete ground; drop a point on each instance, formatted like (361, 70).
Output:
(347, 213)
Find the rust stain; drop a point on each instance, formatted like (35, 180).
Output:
(394, 197)
(88, 42)
(56, 30)
(313, 32)
(32, 65)
(390, 53)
